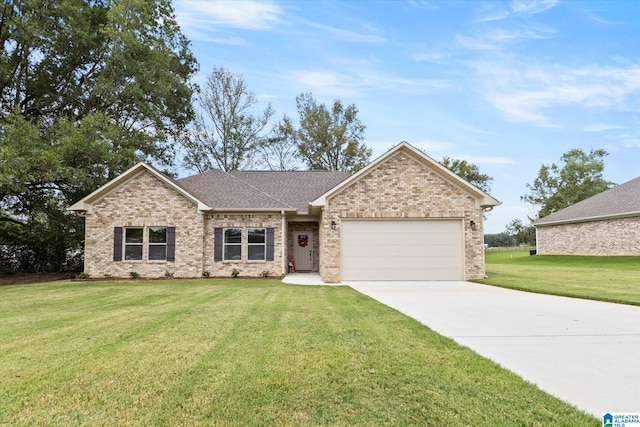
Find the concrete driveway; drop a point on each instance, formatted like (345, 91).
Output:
(586, 353)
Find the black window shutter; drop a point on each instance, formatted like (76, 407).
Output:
(117, 243)
(270, 243)
(171, 243)
(217, 244)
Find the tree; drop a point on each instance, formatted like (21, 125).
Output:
(87, 89)
(330, 140)
(499, 240)
(557, 187)
(523, 234)
(225, 134)
(469, 172)
(279, 151)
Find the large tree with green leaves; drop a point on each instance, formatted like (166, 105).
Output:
(87, 89)
(523, 234)
(469, 172)
(330, 139)
(559, 186)
(279, 152)
(226, 134)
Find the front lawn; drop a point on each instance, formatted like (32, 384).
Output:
(611, 278)
(243, 352)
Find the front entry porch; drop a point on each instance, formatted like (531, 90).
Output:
(303, 248)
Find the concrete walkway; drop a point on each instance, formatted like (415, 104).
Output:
(586, 353)
(306, 279)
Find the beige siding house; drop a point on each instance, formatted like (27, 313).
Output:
(403, 217)
(605, 224)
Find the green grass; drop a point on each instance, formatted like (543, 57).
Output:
(243, 352)
(611, 278)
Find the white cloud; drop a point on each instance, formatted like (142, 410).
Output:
(488, 160)
(531, 7)
(350, 36)
(323, 83)
(490, 12)
(526, 91)
(602, 127)
(434, 147)
(360, 78)
(245, 14)
(474, 43)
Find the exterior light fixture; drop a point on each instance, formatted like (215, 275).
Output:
(472, 224)
(333, 225)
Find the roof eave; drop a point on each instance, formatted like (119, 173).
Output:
(246, 210)
(587, 219)
(86, 203)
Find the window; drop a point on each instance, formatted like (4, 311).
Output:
(257, 244)
(157, 244)
(134, 238)
(228, 244)
(160, 242)
(232, 244)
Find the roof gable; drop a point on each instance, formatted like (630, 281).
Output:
(484, 199)
(620, 201)
(86, 203)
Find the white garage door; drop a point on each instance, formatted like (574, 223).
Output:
(402, 250)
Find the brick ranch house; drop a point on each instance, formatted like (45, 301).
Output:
(402, 217)
(605, 224)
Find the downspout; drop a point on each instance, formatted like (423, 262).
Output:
(284, 243)
(204, 243)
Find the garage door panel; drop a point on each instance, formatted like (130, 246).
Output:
(402, 250)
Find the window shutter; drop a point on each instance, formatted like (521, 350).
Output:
(117, 243)
(171, 243)
(217, 244)
(270, 243)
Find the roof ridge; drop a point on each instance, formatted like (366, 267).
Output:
(259, 190)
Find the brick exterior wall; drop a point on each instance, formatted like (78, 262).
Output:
(244, 221)
(144, 201)
(619, 236)
(401, 187)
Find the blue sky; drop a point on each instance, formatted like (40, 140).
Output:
(505, 85)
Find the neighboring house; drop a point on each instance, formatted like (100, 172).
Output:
(605, 224)
(402, 217)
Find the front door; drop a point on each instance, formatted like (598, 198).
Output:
(303, 250)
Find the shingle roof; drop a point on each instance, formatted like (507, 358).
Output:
(617, 201)
(260, 189)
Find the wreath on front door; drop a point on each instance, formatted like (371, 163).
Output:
(303, 241)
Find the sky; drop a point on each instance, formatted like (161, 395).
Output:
(508, 85)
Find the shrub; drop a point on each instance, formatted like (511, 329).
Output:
(83, 276)
(134, 274)
(235, 273)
